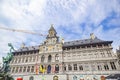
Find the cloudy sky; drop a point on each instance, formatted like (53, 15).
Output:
(72, 19)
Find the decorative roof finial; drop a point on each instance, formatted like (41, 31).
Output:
(22, 45)
(51, 25)
(92, 36)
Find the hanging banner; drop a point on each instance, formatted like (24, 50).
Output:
(53, 68)
(42, 69)
(49, 69)
(37, 71)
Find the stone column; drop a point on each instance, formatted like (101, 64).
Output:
(66, 67)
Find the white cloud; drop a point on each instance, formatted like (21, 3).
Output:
(37, 15)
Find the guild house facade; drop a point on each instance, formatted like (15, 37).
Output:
(54, 59)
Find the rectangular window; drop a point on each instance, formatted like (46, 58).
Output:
(19, 60)
(24, 70)
(15, 60)
(34, 58)
(13, 70)
(109, 53)
(99, 46)
(86, 67)
(28, 69)
(23, 59)
(64, 68)
(69, 67)
(32, 69)
(26, 60)
(17, 69)
(75, 66)
(93, 67)
(81, 67)
(20, 70)
(113, 65)
(99, 67)
(106, 67)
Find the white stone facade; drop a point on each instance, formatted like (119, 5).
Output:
(88, 59)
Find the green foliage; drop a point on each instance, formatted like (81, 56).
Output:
(5, 76)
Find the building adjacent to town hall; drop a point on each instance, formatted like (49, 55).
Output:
(54, 59)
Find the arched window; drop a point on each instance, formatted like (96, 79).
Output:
(56, 68)
(31, 78)
(49, 69)
(69, 67)
(42, 58)
(49, 58)
(56, 57)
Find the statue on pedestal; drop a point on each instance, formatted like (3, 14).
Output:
(4, 75)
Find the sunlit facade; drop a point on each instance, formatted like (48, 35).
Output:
(54, 59)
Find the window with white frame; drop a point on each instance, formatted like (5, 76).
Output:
(56, 57)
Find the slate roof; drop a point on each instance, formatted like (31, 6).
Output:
(68, 44)
(84, 42)
(31, 48)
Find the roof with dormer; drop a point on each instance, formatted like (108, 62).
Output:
(85, 42)
(52, 28)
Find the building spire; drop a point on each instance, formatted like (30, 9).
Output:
(52, 28)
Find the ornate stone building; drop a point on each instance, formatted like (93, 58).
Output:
(87, 59)
(118, 55)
